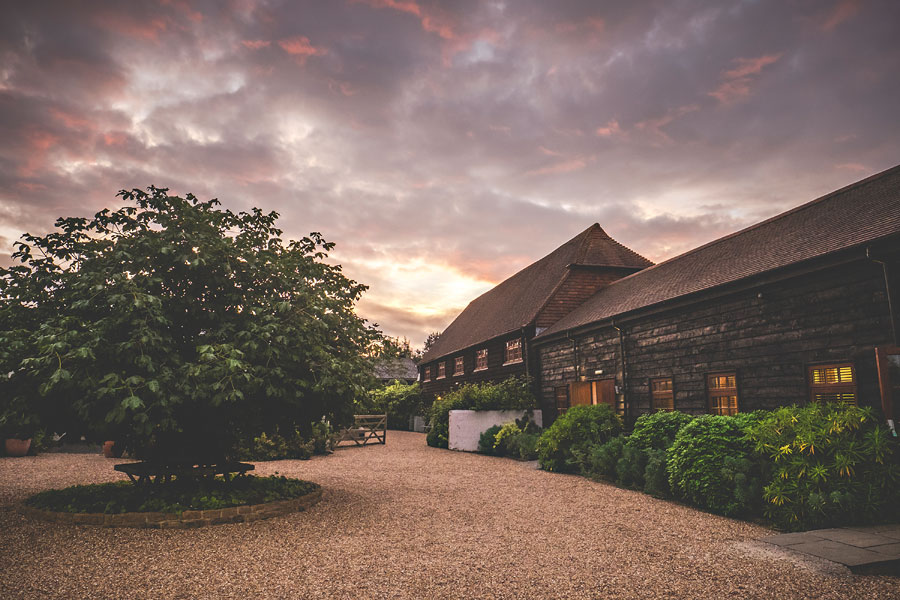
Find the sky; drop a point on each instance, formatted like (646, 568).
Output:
(445, 145)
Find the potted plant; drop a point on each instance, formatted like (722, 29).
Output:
(18, 427)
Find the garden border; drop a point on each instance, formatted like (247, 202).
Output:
(186, 520)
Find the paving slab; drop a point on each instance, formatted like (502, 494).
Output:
(873, 549)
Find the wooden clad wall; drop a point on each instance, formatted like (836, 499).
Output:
(495, 372)
(839, 314)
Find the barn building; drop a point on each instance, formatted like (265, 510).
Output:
(798, 308)
(491, 339)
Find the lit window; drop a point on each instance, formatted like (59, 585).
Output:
(662, 394)
(481, 359)
(513, 351)
(427, 376)
(458, 367)
(723, 394)
(832, 383)
(562, 399)
(442, 370)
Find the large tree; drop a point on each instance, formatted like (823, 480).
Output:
(179, 328)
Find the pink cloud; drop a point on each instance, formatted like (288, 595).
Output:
(591, 25)
(125, 24)
(568, 166)
(842, 12)
(549, 152)
(855, 167)
(256, 44)
(654, 127)
(737, 81)
(611, 129)
(301, 48)
(344, 88)
(432, 22)
(750, 66)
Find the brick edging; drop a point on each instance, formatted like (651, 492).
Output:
(187, 519)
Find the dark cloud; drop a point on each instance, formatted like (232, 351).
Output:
(444, 145)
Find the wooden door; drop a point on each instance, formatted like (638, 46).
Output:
(604, 392)
(580, 393)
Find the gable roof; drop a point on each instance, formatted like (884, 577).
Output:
(515, 302)
(850, 217)
(388, 369)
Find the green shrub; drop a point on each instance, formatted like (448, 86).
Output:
(487, 439)
(503, 437)
(274, 446)
(656, 478)
(657, 430)
(828, 465)
(523, 445)
(709, 460)
(563, 446)
(600, 460)
(631, 466)
(399, 401)
(512, 394)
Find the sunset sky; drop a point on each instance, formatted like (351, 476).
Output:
(445, 145)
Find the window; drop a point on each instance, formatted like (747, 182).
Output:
(562, 399)
(442, 370)
(661, 394)
(427, 376)
(459, 366)
(481, 359)
(513, 351)
(832, 383)
(723, 395)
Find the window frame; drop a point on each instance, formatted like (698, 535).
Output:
(518, 348)
(426, 376)
(560, 409)
(839, 387)
(459, 366)
(442, 370)
(656, 395)
(478, 357)
(722, 392)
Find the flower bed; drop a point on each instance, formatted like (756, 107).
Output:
(122, 504)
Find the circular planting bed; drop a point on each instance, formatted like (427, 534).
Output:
(173, 506)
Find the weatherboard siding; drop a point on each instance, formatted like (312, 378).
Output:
(834, 315)
(495, 372)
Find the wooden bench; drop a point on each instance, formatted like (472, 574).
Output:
(366, 429)
(145, 473)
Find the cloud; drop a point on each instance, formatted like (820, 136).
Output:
(738, 80)
(843, 11)
(445, 145)
(301, 47)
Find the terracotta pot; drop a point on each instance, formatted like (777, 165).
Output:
(16, 447)
(111, 450)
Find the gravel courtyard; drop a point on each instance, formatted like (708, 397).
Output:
(408, 521)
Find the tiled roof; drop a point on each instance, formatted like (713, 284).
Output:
(515, 302)
(388, 369)
(852, 216)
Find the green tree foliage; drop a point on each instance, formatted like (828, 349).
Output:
(565, 444)
(399, 401)
(828, 465)
(179, 328)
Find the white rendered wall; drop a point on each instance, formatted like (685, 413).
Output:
(466, 426)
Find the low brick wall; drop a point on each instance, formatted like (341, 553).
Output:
(187, 519)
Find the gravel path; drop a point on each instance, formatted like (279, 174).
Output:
(408, 521)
